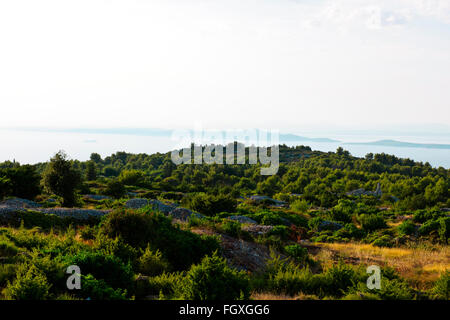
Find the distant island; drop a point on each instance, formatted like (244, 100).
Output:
(401, 144)
(294, 138)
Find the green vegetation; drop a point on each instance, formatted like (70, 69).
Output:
(322, 208)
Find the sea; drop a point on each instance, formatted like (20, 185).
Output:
(33, 146)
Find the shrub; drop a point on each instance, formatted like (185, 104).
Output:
(428, 227)
(441, 288)
(94, 289)
(213, 279)
(371, 222)
(407, 227)
(7, 249)
(88, 233)
(444, 229)
(232, 228)
(7, 272)
(314, 223)
(338, 279)
(297, 252)
(30, 284)
(181, 248)
(210, 204)
(165, 284)
(383, 241)
(152, 263)
(116, 247)
(395, 289)
(422, 216)
(300, 205)
(280, 231)
(115, 189)
(131, 177)
(104, 267)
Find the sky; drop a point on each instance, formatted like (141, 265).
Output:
(279, 64)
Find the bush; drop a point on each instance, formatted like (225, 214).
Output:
(444, 229)
(314, 223)
(297, 252)
(116, 247)
(407, 227)
(115, 189)
(131, 177)
(165, 284)
(181, 248)
(152, 263)
(371, 222)
(338, 279)
(30, 284)
(231, 228)
(422, 216)
(213, 279)
(395, 289)
(428, 227)
(104, 267)
(210, 204)
(383, 241)
(7, 249)
(94, 289)
(441, 288)
(300, 205)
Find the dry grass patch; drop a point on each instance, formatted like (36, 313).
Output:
(419, 265)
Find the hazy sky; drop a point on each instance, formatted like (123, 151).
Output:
(263, 63)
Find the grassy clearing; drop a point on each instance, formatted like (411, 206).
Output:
(419, 265)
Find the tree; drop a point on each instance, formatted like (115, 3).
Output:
(115, 189)
(61, 178)
(91, 171)
(23, 181)
(5, 187)
(96, 157)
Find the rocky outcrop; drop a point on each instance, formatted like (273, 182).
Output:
(170, 209)
(275, 202)
(242, 219)
(362, 191)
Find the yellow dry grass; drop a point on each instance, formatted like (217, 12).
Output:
(419, 265)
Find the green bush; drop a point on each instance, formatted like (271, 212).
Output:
(407, 227)
(444, 229)
(383, 241)
(441, 288)
(7, 272)
(210, 204)
(338, 279)
(30, 284)
(297, 252)
(152, 263)
(395, 289)
(231, 228)
(7, 249)
(213, 279)
(104, 267)
(371, 222)
(428, 227)
(115, 189)
(166, 284)
(300, 205)
(116, 247)
(139, 228)
(94, 289)
(423, 216)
